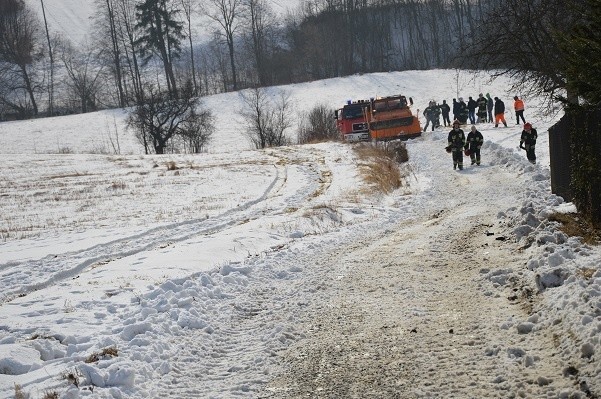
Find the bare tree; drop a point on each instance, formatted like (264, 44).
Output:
(160, 118)
(227, 14)
(197, 131)
(109, 34)
(518, 37)
(126, 20)
(51, 56)
(220, 60)
(318, 125)
(259, 19)
(266, 119)
(83, 74)
(20, 48)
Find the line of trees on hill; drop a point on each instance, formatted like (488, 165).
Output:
(138, 44)
(143, 48)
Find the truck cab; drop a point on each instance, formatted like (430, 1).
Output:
(351, 122)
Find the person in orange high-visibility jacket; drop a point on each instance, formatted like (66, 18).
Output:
(518, 105)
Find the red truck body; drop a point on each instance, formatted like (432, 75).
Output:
(351, 122)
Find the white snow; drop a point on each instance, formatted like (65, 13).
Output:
(198, 264)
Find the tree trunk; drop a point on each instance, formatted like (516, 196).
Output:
(51, 56)
(168, 68)
(29, 89)
(230, 46)
(116, 52)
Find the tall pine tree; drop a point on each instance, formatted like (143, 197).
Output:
(161, 35)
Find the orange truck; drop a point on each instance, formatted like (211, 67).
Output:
(390, 118)
(379, 119)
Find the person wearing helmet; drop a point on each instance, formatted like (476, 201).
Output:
(528, 142)
(456, 141)
(473, 145)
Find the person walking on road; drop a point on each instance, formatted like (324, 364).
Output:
(473, 144)
(528, 142)
(518, 105)
(456, 142)
(499, 112)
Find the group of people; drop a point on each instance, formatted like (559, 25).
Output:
(478, 110)
(459, 144)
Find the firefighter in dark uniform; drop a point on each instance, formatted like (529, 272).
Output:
(428, 115)
(463, 111)
(482, 103)
(473, 144)
(435, 115)
(528, 141)
(456, 141)
(445, 109)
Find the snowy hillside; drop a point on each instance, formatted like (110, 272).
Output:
(93, 132)
(281, 273)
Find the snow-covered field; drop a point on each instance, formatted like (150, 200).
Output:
(192, 262)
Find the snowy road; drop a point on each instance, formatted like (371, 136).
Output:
(406, 309)
(413, 315)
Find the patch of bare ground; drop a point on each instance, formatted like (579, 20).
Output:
(576, 225)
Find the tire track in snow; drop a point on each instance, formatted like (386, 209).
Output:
(234, 359)
(38, 274)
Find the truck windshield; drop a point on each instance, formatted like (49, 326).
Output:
(352, 112)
